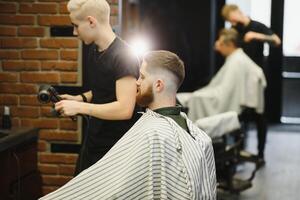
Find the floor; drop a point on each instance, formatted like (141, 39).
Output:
(280, 177)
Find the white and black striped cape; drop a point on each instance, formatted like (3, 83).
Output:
(155, 159)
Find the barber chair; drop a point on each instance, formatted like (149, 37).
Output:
(228, 139)
(228, 155)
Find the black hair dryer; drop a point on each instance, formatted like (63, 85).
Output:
(47, 94)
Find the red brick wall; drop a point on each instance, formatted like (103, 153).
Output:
(30, 57)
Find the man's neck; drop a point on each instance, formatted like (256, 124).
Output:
(156, 104)
(105, 40)
(231, 51)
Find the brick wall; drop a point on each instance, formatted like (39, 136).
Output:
(30, 57)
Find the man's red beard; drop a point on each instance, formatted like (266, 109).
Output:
(146, 98)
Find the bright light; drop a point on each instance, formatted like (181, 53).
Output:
(140, 46)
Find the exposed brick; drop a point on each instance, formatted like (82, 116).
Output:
(17, 19)
(21, 65)
(68, 55)
(63, 8)
(47, 8)
(51, 135)
(63, 66)
(55, 180)
(54, 20)
(18, 43)
(68, 124)
(22, 111)
(39, 77)
(59, 43)
(46, 111)
(42, 146)
(9, 99)
(48, 169)
(30, 100)
(113, 1)
(5, 54)
(15, 122)
(8, 31)
(8, 8)
(17, 88)
(31, 31)
(8, 77)
(40, 123)
(66, 170)
(68, 77)
(114, 10)
(40, 54)
(48, 189)
(24, 0)
(58, 158)
(53, 0)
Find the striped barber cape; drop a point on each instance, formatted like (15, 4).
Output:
(155, 159)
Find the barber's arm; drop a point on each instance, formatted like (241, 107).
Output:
(120, 109)
(273, 39)
(85, 97)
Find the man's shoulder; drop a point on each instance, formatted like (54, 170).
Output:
(153, 122)
(197, 131)
(244, 59)
(153, 119)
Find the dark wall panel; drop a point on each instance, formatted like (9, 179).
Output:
(184, 27)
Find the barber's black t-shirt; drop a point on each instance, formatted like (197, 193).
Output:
(107, 67)
(254, 49)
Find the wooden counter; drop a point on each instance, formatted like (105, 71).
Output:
(19, 174)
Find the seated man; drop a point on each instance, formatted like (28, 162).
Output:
(239, 84)
(163, 156)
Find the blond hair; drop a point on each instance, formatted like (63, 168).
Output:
(227, 9)
(97, 8)
(168, 61)
(230, 36)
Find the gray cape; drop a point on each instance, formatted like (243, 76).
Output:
(238, 84)
(155, 159)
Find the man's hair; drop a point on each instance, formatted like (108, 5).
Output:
(97, 8)
(168, 61)
(230, 35)
(227, 9)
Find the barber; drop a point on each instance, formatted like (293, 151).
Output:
(253, 33)
(110, 102)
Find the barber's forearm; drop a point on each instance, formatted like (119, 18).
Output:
(272, 39)
(109, 111)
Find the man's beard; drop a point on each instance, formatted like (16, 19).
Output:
(146, 98)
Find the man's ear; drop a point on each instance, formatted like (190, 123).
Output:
(159, 85)
(92, 21)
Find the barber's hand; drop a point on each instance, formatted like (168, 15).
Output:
(71, 97)
(68, 107)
